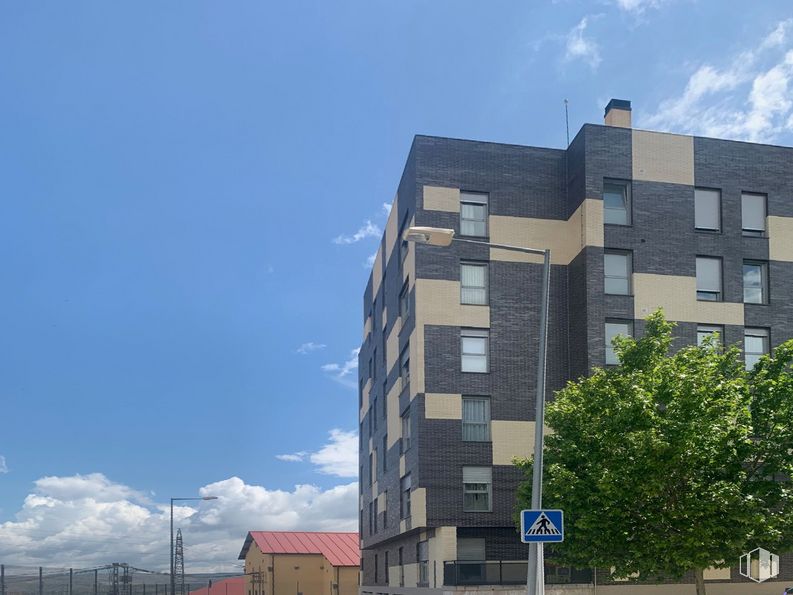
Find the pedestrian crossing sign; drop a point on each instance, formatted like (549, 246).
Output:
(541, 526)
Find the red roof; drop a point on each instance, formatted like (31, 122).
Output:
(341, 549)
(228, 586)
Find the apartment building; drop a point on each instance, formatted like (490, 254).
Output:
(635, 220)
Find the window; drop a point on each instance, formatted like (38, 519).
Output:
(370, 368)
(370, 416)
(385, 510)
(404, 497)
(374, 366)
(371, 521)
(708, 279)
(403, 243)
(707, 209)
(477, 487)
(473, 283)
(374, 464)
(706, 330)
(385, 399)
(616, 203)
(423, 557)
(476, 419)
(385, 342)
(404, 366)
(385, 452)
(375, 569)
(755, 282)
(404, 302)
(473, 214)
(616, 328)
(385, 566)
(618, 268)
(755, 345)
(753, 211)
(375, 515)
(374, 412)
(371, 469)
(474, 350)
(471, 549)
(406, 431)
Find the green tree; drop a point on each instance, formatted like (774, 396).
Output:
(670, 463)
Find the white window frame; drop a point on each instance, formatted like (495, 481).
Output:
(706, 330)
(709, 294)
(468, 333)
(484, 288)
(628, 255)
(703, 198)
(751, 357)
(477, 424)
(477, 199)
(404, 366)
(763, 266)
(618, 216)
(404, 497)
(611, 358)
(748, 198)
(478, 482)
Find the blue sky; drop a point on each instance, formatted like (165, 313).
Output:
(189, 194)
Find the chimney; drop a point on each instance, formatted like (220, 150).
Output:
(618, 113)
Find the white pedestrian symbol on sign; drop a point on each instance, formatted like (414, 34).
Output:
(543, 526)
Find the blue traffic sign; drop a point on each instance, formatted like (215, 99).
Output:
(541, 526)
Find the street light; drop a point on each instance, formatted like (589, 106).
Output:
(436, 236)
(173, 578)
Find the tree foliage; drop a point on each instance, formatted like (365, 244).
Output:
(669, 463)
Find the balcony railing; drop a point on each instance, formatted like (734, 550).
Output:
(508, 572)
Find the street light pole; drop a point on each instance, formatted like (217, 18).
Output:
(173, 578)
(434, 236)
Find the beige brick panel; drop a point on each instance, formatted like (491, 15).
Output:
(382, 502)
(394, 422)
(677, 295)
(443, 546)
(367, 388)
(438, 302)
(619, 117)
(409, 264)
(565, 239)
(377, 272)
(780, 238)
(438, 198)
(416, 348)
(418, 508)
(511, 439)
(392, 345)
(662, 157)
(411, 575)
(443, 406)
(717, 574)
(391, 230)
(367, 327)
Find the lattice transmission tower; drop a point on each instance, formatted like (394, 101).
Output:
(178, 564)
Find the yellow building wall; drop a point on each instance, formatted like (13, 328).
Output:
(288, 574)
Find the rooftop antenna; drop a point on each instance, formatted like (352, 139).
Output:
(567, 122)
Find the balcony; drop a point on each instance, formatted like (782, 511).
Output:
(508, 572)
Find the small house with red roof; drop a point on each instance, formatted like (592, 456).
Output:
(301, 562)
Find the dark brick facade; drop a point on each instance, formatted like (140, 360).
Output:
(548, 184)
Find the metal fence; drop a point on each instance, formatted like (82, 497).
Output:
(111, 579)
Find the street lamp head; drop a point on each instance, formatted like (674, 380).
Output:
(434, 236)
(209, 498)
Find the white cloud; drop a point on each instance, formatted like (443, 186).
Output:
(370, 261)
(295, 457)
(88, 520)
(387, 208)
(307, 348)
(638, 6)
(748, 99)
(339, 456)
(3, 465)
(579, 47)
(341, 372)
(367, 230)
